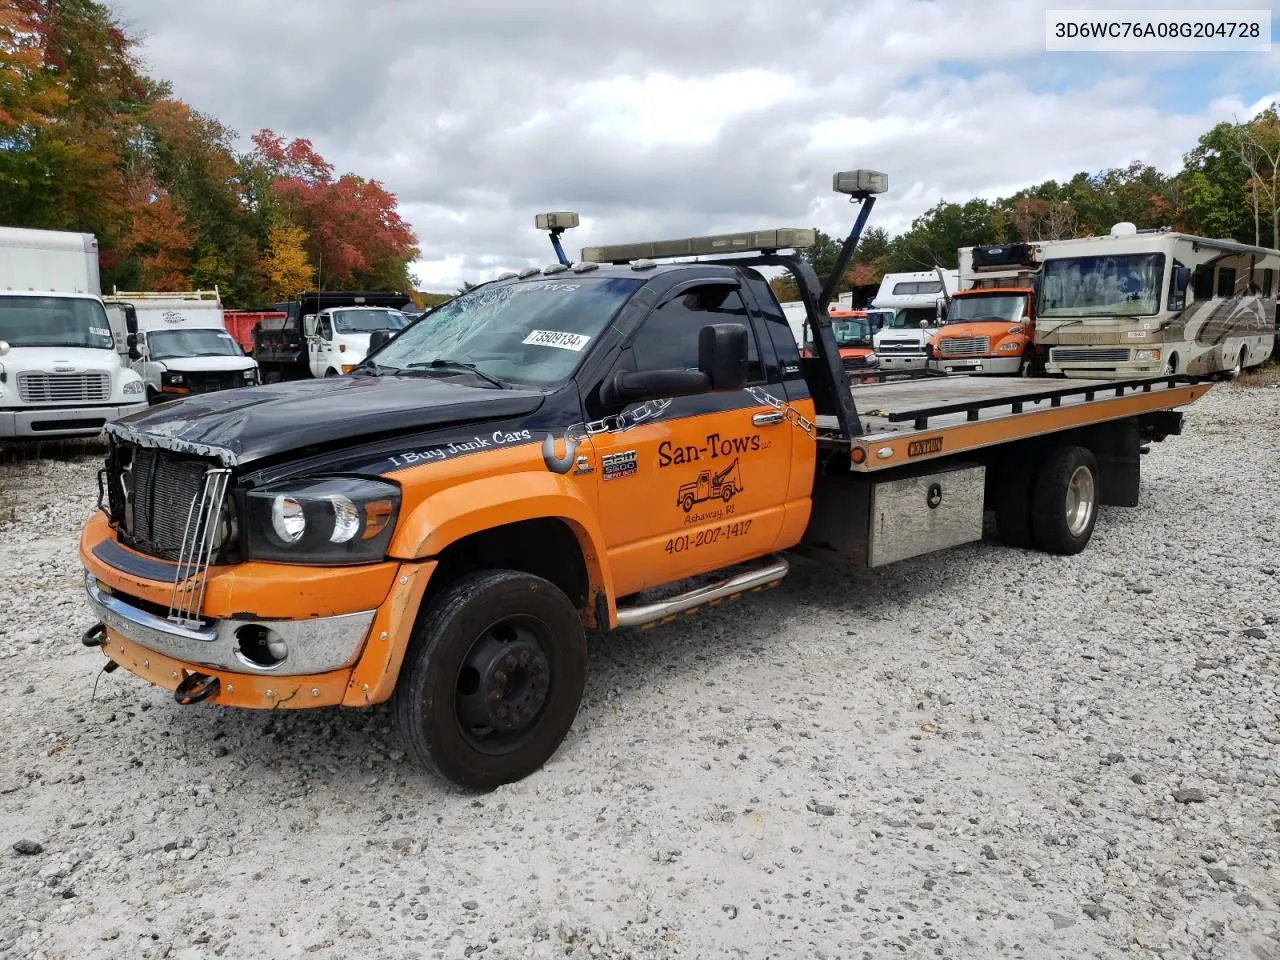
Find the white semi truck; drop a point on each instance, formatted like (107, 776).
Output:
(178, 343)
(60, 373)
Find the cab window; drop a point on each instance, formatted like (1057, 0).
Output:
(325, 328)
(669, 337)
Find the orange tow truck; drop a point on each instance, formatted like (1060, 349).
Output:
(990, 321)
(442, 527)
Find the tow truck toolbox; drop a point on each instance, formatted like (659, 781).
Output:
(441, 527)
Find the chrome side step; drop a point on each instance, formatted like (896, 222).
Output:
(666, 610)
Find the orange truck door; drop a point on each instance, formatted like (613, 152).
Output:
(646, 471)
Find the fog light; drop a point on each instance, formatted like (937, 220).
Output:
(260, 647)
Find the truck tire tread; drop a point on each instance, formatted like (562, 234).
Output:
(454, 619)
(1048, 500)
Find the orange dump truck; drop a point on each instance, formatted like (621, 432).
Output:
(441, 528)
(990, 322)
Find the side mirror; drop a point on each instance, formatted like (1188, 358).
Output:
(924, 324)
(309, 325)
(134, 352)
(722, 367)
(722, 355)
(380, 337)
(131, 318)
(1178, 287)
(132, 340)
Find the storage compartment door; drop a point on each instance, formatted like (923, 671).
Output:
(917, 515)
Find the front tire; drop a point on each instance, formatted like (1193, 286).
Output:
(492, 679)
(1064, 500)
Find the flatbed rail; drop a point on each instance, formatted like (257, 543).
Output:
(907, 422)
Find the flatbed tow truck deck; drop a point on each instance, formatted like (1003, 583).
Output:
(907, 421)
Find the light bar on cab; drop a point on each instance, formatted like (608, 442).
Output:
(860, 182)
(751, 241)
(563, 220)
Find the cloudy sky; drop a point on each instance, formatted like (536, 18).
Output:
(672, 118)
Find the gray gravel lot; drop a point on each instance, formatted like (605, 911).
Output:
(984, 753)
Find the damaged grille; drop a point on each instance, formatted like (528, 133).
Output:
(173, 507)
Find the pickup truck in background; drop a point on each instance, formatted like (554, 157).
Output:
(295, 343)
(530, 460)
(60, 373)
(178, 343)
(990, 322)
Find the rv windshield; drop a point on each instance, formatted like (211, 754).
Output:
(54, 321)
(1124, 285)
(1005, 309)
(534, 332)
(167, 344)
(367, 321)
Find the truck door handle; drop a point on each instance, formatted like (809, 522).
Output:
(764, 419)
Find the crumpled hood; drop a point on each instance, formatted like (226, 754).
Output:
(251, 423)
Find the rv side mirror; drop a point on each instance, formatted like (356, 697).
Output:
(722, 355)
(1178, 287)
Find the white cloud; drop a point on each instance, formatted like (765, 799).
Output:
(676, 118)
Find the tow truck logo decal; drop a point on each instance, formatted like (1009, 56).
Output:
(716, 446)
(722, 485)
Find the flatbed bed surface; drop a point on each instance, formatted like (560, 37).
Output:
(906, 421)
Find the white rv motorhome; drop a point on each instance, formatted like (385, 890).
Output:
(178, 343)
(60, 374)
(905, 314)
(1141, 303)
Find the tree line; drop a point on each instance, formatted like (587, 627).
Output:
(1227, 188)
(89, 142)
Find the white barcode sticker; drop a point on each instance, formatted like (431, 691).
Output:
(554, 338)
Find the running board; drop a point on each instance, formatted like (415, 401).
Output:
(664, 611)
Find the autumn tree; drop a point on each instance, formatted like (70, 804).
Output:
(355, 236)
(287, 266)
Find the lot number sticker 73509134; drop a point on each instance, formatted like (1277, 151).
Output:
(554, 338)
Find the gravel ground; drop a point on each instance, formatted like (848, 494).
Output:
(1003, 755)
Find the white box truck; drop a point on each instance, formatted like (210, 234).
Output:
(60, 373)
(179, 343)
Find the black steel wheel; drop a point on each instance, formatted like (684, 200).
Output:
(492, 679)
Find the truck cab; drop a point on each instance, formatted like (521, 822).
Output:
(60, 372)
(990, 322)
(338, 338)
(178, 343)
(852, 333)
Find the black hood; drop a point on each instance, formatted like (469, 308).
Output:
(247, 424)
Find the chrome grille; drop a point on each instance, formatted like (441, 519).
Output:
(900, 346)
(64, 387)
(964, 346)
(1088, 354)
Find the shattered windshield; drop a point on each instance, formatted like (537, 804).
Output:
(534, 332)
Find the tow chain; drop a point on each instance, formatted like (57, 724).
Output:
(792, 415)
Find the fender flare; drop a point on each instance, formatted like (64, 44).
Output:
(449, 515)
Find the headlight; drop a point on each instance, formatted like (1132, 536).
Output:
(133, 387)
(175, 378)
(331, 520)
(1146, 356)
(250, 374)
(1007, 347)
